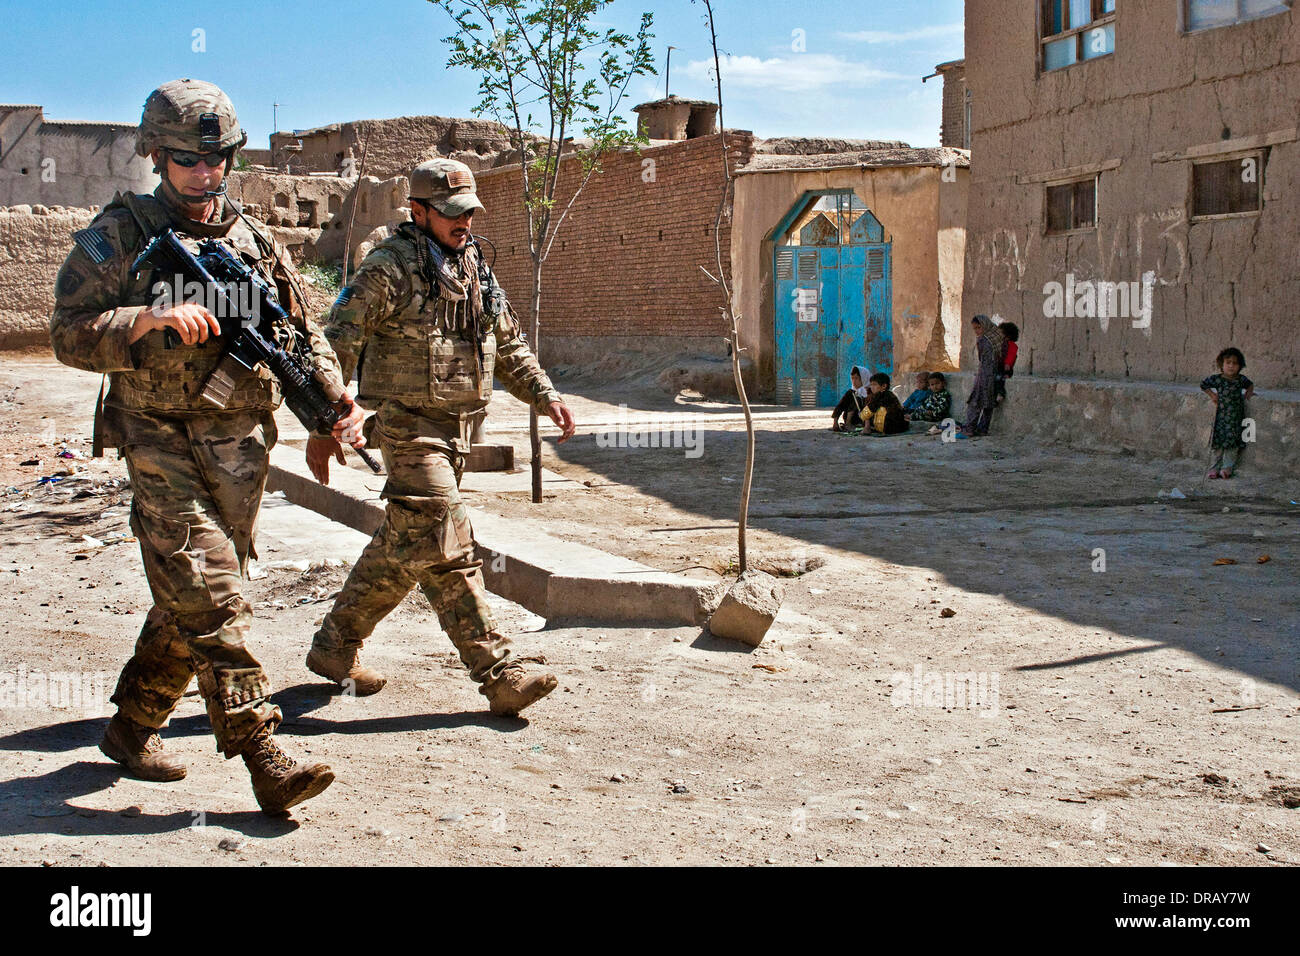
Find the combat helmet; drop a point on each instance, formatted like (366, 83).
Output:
(189, 115)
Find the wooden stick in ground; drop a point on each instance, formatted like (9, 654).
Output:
(729, 314)
(352, 217)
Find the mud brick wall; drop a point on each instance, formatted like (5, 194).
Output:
(1137, 118)
(34, 241)
(627, 261)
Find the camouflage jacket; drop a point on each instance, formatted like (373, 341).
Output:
(97, 300)
(410, 344)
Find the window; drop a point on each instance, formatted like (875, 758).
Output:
(1228, 187)
(1072, 206)
(1076, 30)
(1207, 14)
(834, 219)
(966, 123)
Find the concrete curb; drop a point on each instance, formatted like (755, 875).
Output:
(556, 579)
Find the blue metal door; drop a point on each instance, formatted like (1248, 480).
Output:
(867, 336)
(832, 296)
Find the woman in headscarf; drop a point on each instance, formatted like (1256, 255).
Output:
(854, 401)
(991, 346)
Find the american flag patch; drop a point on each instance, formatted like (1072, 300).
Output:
(94, 244)
(457, 178)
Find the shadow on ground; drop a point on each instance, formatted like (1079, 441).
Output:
(1006, 518)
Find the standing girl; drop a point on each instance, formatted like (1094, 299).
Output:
(1229, 390)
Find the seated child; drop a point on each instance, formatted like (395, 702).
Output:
(851, 405)
(1229, 390)
(938, 402)
(913, 401)
(884, 414)
(1011, 332)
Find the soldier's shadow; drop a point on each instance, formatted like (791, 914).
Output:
(41, 804)
(57, 738)
(302, 703)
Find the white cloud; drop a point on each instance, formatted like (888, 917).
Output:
(906, 36)
(799, 73)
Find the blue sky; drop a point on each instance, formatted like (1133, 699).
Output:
(857, 75)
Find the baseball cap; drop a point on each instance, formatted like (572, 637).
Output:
(446, 185)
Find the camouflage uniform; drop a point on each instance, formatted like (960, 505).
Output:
(426, 347)
(196, 473)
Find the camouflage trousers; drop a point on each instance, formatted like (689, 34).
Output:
(425, 540)
(196, 488)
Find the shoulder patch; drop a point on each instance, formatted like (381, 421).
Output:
(94, 243)
(69, 282)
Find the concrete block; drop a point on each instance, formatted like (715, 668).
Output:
(483, 457)
(748, 609)
(559, 580)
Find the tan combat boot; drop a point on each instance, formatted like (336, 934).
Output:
(140, 750)
(515, 689)
(341, 665)
(279, 782)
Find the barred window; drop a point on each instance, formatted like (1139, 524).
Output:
(1228, 187)
(1076, 30)
(1072, 206)
(1208, 14)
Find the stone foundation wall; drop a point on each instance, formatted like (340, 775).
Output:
(34, 241)
(1152, 420)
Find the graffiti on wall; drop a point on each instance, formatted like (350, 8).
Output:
(1131, 246)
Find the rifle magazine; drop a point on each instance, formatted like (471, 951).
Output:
(220, 386)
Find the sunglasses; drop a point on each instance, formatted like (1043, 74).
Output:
(189, 160)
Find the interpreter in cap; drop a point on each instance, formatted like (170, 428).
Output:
(425, 324)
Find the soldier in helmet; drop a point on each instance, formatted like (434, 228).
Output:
(197, 472)
(433, 324)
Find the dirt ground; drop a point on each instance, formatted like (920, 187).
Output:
(1137, 703)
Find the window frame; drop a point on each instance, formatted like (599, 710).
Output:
(1095, 179)
(968, 117)
(1260, 155)
(1099, 19)
(1185, 16)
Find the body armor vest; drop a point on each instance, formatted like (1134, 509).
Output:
(431, 351)
(170, 378)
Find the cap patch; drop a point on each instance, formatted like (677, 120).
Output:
(456, 178)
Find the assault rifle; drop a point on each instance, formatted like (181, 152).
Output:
(239, 313)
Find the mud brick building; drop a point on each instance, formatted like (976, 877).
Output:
(848, 256)
(1150, 146)
(392, 147)
(868, 235)
(627, 266)
(67, 163)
